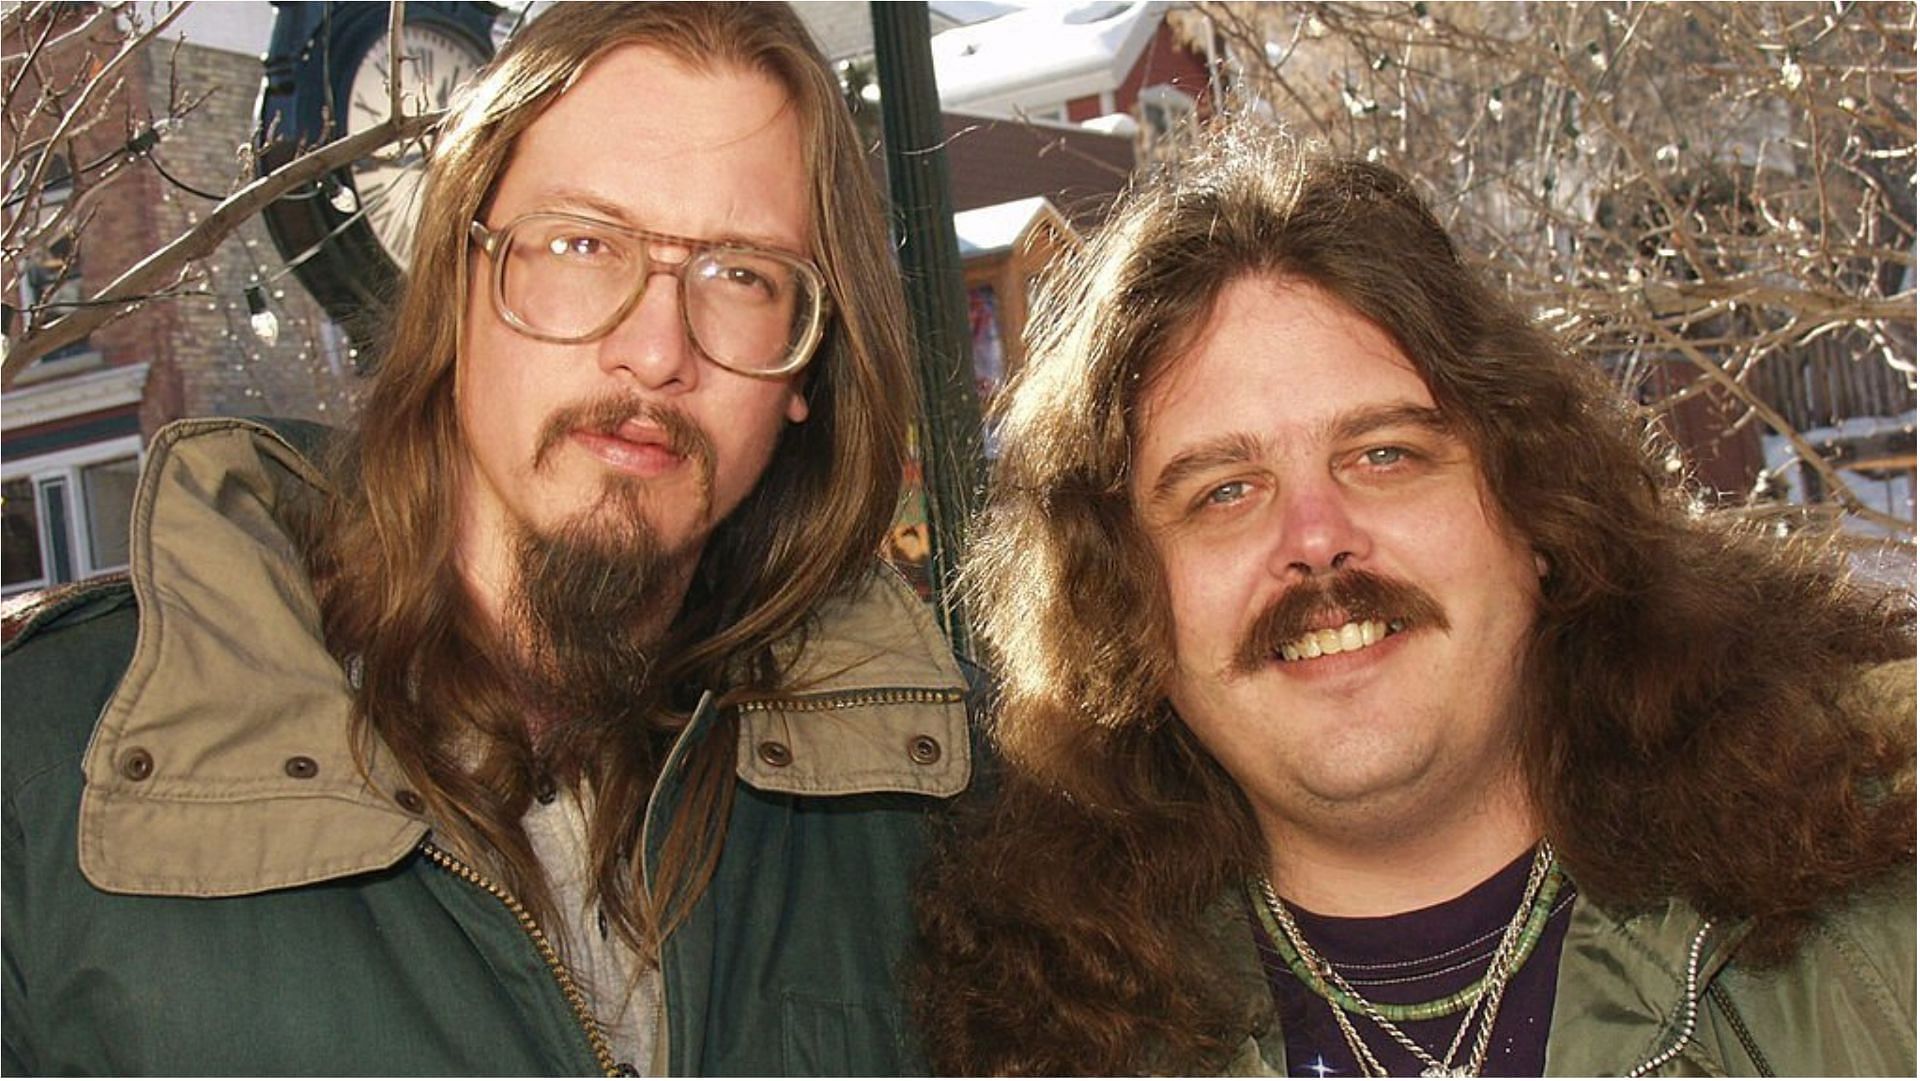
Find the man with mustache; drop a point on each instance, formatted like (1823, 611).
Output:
(559, 719)
(1375, 702)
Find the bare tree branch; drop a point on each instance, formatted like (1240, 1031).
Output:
(101, 84)
(1737, 179)
(1808, 454)
(165, 265)
(396, 19)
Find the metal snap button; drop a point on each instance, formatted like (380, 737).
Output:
(410, 801)
(775, 754)
(137, 765)
(924, 750)
(302, 768)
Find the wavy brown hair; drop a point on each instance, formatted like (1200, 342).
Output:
(1690, 730)
(382, 545)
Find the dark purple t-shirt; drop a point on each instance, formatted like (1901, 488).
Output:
(1414, 957)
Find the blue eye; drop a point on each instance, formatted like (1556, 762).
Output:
(1231, 492)
(1384, 456)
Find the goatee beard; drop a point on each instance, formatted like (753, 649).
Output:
(591, 602)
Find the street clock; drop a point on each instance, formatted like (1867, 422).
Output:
(327, 76)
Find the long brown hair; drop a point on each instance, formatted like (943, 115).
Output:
(381, 548)
(1689, 732)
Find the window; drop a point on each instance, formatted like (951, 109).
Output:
(19, 537)
(1163, 108)
(108, 492)
(67, 516)
(49, 286)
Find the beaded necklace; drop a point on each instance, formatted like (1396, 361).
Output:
(1537, 917)
(1488, 991)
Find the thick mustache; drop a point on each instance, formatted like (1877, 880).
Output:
(685, 438)
(1356, 595)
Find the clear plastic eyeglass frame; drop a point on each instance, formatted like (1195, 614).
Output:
(800, 347)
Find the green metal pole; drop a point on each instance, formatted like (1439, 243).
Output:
(936, 292)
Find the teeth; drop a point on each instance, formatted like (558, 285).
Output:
(1345, 639)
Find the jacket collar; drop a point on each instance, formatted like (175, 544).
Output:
(875, 703)
(222, 764)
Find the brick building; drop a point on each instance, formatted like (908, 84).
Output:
(73, 423)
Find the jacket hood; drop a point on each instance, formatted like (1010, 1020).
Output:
(222, 765)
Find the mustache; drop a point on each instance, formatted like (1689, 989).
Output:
(1357, 595)
(604, 415)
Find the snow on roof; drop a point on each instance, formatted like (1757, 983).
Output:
(996, 228)
(1042, 56)
(844, 29)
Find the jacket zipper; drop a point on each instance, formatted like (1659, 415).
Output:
(576, 999)
(1692, 1005)
(885, 696)
(662, 1050)
(1740, 1031)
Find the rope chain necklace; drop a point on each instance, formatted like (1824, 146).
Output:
(1485, 1001)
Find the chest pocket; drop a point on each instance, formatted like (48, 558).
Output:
(823, 1038)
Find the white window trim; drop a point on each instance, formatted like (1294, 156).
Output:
(66, 465)
(1168, 98)
(1167, 94)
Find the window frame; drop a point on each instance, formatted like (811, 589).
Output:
(65, 470)
(1175, 104)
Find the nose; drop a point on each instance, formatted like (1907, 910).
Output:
(1319, 530)
(650, 345)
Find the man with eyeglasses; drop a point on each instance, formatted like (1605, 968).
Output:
(559, 718)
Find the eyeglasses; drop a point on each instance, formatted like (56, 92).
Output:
(567, 278)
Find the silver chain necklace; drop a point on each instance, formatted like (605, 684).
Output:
(1486, 1003)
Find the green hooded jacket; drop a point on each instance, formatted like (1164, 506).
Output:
(198, 879)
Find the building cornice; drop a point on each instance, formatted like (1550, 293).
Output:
(58, 399)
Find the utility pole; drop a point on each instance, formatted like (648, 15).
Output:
(936, 293)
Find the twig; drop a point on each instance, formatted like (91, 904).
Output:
(101, 81)
(396, 18)
(201, 241)
(1805, 450)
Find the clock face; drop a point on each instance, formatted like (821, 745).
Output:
(433, 63)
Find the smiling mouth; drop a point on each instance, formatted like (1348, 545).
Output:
(1350, 637)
